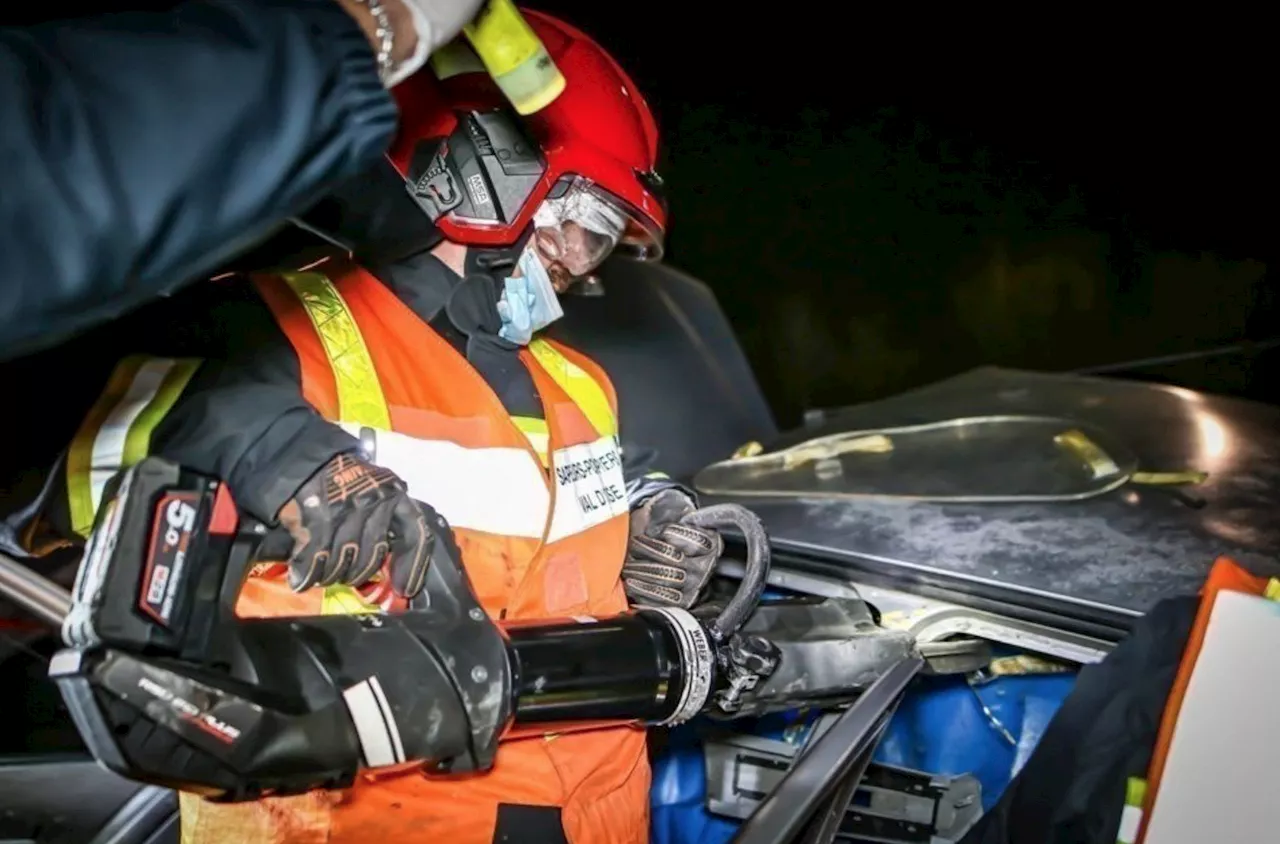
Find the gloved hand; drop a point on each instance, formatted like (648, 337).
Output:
(350, 518)
(668, 563)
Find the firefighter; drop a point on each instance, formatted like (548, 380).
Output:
(361, 394)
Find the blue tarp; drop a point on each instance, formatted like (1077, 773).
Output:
(940, 728)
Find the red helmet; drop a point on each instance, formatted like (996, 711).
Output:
(482, 173)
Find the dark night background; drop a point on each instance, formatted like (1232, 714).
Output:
(877, 208)
(887, 202)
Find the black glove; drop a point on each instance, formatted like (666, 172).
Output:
(668, 563)
(350, 518)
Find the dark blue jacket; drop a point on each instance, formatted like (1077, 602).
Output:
(139, 151)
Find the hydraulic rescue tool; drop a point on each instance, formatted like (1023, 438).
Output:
(168, 686)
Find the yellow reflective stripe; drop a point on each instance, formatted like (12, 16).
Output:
(138, 441)
(588, 395)
(344, 600)
(80, 454)
(537, 433)
(116, 433)
(360, 398)
(531, 425)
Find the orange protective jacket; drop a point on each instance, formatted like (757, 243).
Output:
(540, 512)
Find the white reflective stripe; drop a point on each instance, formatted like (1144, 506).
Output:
(374, 723)
(503, 491)
(495, 490)
(590, 489)
(108, 445)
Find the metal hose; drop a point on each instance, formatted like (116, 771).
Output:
(756, 569)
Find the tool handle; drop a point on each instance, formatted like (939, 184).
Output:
(276, 545)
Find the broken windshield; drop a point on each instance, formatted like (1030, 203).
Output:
(970, 459)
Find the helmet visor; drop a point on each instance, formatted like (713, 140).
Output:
(576, 231)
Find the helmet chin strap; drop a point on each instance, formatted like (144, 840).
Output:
(497, 261)
(472, 306)
(430, 283)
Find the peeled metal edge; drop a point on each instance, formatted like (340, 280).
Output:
(697, 658)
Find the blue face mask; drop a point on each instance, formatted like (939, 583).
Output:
(529, 302)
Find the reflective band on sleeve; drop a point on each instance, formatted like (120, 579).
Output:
(116, 433)
(360, 398)
(588, 395)
(375, 724)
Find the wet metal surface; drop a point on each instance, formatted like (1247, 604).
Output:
(1114, 555)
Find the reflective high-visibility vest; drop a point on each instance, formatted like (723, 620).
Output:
(539, 509)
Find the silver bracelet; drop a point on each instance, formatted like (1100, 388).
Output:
(385, 36)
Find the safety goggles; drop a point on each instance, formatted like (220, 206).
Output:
(577, 230)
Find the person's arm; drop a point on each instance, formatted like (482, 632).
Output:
(237, 413)
(242, 416)
(141, 150)
(643, 479)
